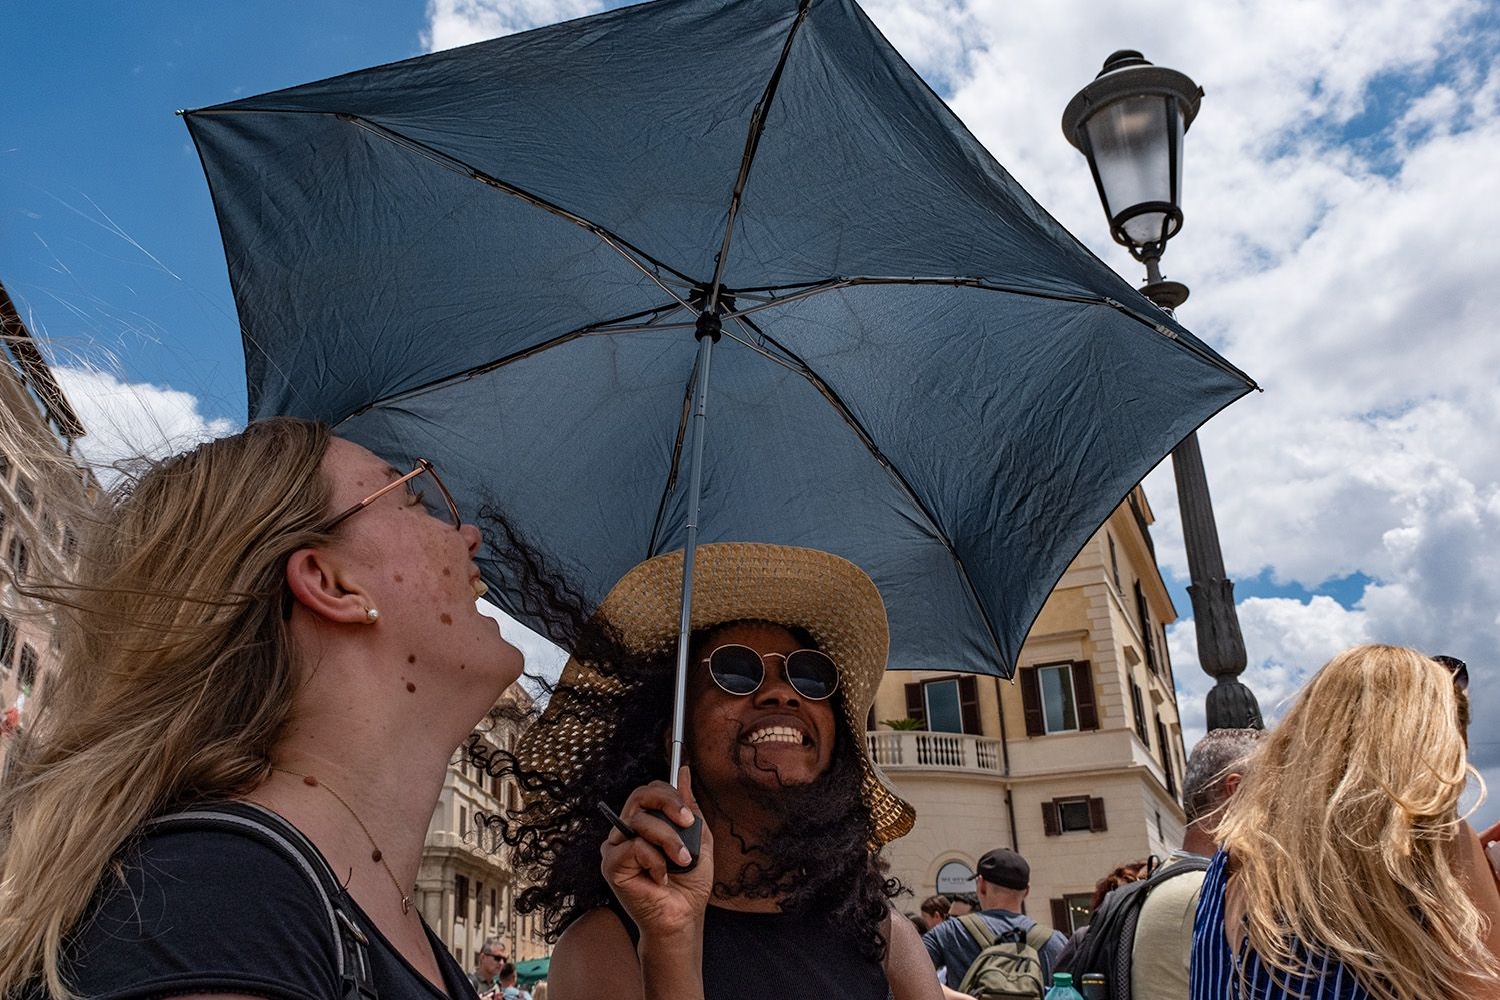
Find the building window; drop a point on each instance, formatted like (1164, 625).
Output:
(1073, 814)
(1072, 912)
(1114, 564)
(26, 676)
(1138, 712)
(461, 897)
(463, 822)
(1059, 698)
(19, 557)
(7, 645)
(945, 704)
(25, 493)
(1148, 634)
(1166, 757)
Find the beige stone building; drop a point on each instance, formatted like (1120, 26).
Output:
(31, 400)
(1075, 762)
(465, 885)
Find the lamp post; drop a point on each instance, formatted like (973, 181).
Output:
(1130, 122)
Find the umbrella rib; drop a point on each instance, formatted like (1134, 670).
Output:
(793, 362)
(618, 324)
(752, 142)
(632, 253)
(809, 289)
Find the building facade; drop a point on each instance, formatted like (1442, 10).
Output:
(465, 886)
(33, 403)
(1075, 762)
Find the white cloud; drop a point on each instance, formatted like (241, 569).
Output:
(451, 23)
(128, 420)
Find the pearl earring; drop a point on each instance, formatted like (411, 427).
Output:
(372, 615)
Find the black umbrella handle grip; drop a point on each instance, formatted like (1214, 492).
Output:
(692, 839)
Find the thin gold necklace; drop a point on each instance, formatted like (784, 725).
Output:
(375, 852)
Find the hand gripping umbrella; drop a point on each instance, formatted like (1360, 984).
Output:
(521, 258)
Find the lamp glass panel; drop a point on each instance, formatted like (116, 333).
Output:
(1133, 141)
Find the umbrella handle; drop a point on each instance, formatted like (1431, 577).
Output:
(692, 839)
(692, 836)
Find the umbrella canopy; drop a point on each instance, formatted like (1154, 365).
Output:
(495, 257)
(533, 970)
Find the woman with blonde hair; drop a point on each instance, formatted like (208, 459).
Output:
(1345, 869)
(252, 630)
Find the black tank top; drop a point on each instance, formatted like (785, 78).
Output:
(785, 956)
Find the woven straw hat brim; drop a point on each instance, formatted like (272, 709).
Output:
(830, 597)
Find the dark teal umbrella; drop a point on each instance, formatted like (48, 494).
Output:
(533, 970)
(497, 257)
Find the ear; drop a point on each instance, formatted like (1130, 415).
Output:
(314, 580)
(1231, 785)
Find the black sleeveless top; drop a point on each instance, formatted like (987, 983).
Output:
(783, 955)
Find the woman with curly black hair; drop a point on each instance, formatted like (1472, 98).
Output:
(789, 897)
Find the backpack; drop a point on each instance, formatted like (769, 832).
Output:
(352, 956)
(1009, 964)
(1110, 939)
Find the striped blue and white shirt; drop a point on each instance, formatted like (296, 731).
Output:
(1214, 973)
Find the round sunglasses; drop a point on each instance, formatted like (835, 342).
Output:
(740, 670)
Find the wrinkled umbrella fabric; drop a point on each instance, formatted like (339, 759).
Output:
(495, 256)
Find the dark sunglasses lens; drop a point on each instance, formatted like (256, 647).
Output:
(736, 669)
(812, 674)
(1458, 668)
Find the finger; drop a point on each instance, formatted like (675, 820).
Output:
(685, 790)
(659, 831)
(661, 797)
(630, 860)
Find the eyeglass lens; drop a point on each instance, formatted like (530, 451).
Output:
(740, 670)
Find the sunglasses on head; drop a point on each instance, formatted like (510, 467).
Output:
(740, 670)
(1458, 668)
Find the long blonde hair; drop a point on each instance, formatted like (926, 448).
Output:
(175, 670)
(1344, 833)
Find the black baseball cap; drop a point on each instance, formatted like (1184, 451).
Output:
(1004, 867)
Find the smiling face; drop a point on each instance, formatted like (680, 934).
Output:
(415, 568)
(768, 739)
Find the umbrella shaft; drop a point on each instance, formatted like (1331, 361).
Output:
(695, 490)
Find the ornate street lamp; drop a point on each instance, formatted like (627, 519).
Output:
(1130, 123)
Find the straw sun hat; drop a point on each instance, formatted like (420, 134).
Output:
(827, 595)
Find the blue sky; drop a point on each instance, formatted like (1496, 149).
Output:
(1341, 203)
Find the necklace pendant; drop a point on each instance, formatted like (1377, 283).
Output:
(405, 904)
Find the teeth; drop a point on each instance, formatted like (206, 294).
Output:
(776, 734)
(480, 588)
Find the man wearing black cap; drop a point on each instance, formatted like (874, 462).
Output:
(1003, 881)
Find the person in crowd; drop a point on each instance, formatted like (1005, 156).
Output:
(1003, 883)
(961, 903)
(788, 896)
(1345, 869)
(508, 988)
(934, 910)
(1164, 930)
(1121, 874)
(259, 620)
(490, 959)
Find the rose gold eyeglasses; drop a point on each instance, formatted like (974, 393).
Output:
(447, 509)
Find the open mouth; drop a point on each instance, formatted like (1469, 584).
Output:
(773, 735)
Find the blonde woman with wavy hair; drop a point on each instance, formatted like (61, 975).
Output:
(1346, 870)
(278, 619)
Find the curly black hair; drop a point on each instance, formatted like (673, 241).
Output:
(819, 859)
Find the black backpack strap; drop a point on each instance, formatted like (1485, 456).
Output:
(247, 819)
(1120, 980)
